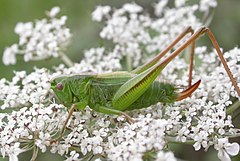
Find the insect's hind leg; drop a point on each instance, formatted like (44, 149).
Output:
(220, 54)
(206, 30)
(192, 39)
(156, 59)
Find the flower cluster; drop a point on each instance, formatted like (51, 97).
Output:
(29, 128)
(225, 149)
(100, 60)
(132, 142)
(137, 36)
(40, 40)
(32, 88)
(37, 119)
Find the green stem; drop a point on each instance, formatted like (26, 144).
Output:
(129, 62)
(35, 152)
(173, 140)
(233, 107)
(66, 59)
(207, 17)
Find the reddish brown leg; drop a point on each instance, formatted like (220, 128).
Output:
(73, 107)
(167, 49)
(191, 64)
(220, 54)
(164, 52)
(198, 33)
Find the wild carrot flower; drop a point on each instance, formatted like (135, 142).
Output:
(36, 118)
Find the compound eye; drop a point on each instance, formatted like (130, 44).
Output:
(59, 86)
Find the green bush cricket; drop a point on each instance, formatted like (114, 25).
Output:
(117, 92)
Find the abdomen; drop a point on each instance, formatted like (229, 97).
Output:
(157, 92)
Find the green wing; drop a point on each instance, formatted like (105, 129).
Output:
(130, 91)
(113, 78)
(104, 86)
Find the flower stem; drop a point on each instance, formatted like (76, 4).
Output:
(129, 62)
(173, 140)
(233, 107)
(66, 59)
(35, 152)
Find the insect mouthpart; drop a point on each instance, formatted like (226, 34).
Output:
(59, 86)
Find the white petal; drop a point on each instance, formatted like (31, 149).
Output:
(232, 149)
(197, 146)
(132, 8)
(223, 156)
(54, 11)
(13, 157)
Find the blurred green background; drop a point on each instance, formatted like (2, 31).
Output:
(225, 26)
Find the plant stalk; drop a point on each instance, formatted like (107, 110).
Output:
(129, 62)
(233, 107)
(66, 59)
(173, 140)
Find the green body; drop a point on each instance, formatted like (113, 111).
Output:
(102, 93)
(98, 91)
(113, 93)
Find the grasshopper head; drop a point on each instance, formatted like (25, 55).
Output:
(61, 88)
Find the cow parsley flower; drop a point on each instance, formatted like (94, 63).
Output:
(54, 11)
(225, 149)
(135, 33)
(206, 4)
(100, 12)
(132, 141)
(165, 156)
(159, 7)
(39, 40)
(9, 55)
(36, 118)
(132, 8)
(32, 88)
(73, 156)
(180, 3)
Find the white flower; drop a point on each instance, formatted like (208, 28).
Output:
(13, 157)
(225, 149)
(54, 11)
(25, 89)
(136, 36)
(108, 61)
(132, 8)
(13, 152)
(159, 7)
(24, 30)
(206, 4)
(9, 55)
(165, 156)
(132, 141)
(40, 40)
(100, 12)
(73, 156)
(44, 139)
(97, 159)
(179, 3)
